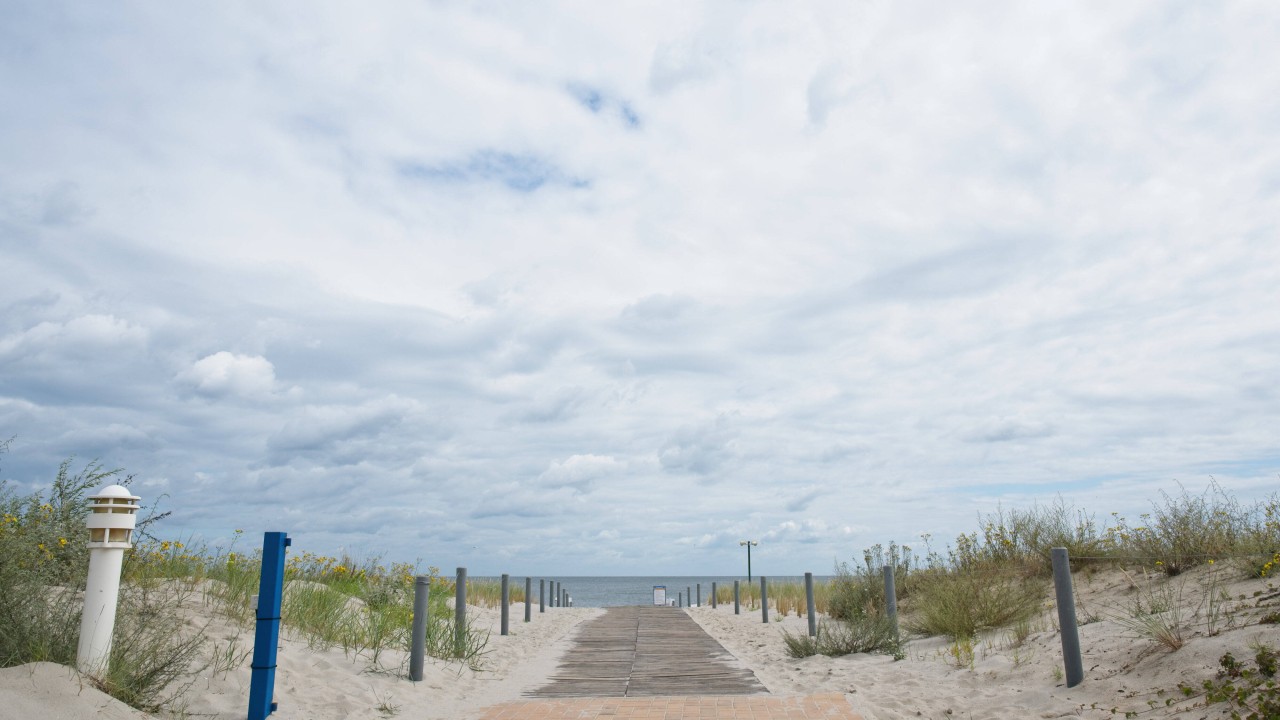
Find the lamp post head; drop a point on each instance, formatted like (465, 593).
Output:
(748, 542)
(112, 517)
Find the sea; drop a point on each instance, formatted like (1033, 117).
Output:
(610, 591)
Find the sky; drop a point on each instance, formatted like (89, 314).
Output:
(593, 288)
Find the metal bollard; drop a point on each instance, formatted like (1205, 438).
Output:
(809, 604)
(764, 599)
(1067, 617)
(713, 596)
(505, 622)
(418, 651)
(542, 595)
(460, 613)
(890, 597)
(528, 599)
(737, 599)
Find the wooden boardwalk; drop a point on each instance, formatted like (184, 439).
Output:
(647, 651)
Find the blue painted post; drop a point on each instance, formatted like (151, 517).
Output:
(266, 638)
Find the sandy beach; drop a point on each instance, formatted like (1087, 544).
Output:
(1004, 679)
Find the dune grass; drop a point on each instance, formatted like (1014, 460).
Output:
(361, 606)
(994, 577)
(998, 576)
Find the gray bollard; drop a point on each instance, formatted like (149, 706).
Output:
(460, 613)
(713, 596)
(418, 651)
(679, 599)
(764, 599)
(506, 604)
(542, 595)
(1067, 617)
(737, 599)
(528, 599)
(688, 593)
(556, 603)
(699, 595)
(809, 605)
(890, 597)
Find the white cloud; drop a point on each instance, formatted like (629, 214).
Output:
(621, 282)
(579, 472)
(226, 373)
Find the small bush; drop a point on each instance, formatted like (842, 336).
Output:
(855, 596)
(44, 547)
(43, 561)
(874, 634)
(1250, 692)
(959, 603)
(1187, 530)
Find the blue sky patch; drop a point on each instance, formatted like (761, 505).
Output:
(519, 172)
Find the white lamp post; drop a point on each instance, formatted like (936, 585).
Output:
(111, 525)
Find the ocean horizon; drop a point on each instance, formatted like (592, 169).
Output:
(617, 590)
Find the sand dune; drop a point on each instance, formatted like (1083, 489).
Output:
(1007, 679)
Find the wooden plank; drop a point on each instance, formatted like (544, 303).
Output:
(647, 651)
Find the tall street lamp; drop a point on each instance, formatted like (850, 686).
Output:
(748, 543)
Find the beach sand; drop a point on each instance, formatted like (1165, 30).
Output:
(1011, 680)
(1007, 679)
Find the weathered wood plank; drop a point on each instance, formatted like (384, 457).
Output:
(647, 651)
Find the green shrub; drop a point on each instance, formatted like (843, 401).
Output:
(1187, 530)
(43, 544)
(959, 603)
(43, 561)
(1250, 692)
(868, 634)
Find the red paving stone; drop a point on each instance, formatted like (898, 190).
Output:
(831, 706)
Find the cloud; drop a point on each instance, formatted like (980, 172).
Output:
(80, 336)
(699, 449)
(577, 291)
(226, 373)
(580, 472)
